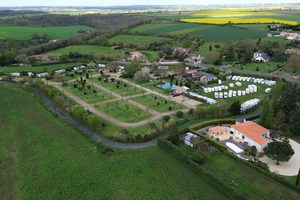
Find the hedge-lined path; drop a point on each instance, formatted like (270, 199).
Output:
(156, 115)
(85, 130)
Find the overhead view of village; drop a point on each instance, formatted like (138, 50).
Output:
(168, 100)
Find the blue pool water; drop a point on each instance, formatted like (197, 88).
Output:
(168, 86)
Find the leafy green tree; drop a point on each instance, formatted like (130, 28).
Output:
(235, 108)
(279, 151)
(267, 114)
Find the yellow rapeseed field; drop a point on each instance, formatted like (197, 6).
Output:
(220, 13)
(239, 21)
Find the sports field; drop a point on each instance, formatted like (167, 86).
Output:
(42, 157)
(25, 32)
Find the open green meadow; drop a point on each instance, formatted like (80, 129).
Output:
(87, 49)
(43, 157)
(158, 103)
(138, 40)
(259, 67)
(123, 111)
(245, 179)
(36, 68)
(209, 32)
(25, 32)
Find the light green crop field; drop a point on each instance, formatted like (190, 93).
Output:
(43, 157)
(87, 49)
(38, 68)
(138, 40)
(157, 103)
(123, 111)
(25, 32)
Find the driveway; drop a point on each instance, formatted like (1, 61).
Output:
(289, 168)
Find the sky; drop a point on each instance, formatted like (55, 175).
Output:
(6, 3)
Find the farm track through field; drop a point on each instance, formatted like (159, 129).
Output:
(85, 130)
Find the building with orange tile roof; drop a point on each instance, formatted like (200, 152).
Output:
(252, 133)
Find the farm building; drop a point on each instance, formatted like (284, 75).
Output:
(203, 77)
(252, 133)
(179, 51)
(188, 138)
(260, 56)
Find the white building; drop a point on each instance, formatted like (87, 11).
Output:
(252, 133)
(43, 75)
(260, 56)
(188, 138)
(60, 71)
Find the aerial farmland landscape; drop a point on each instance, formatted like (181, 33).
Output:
(150, 100)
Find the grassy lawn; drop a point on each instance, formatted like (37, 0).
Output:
(244, 178)
(88, 49)
(260, 94)
(157, 103)
(36, 69)
(123, 111)
(122, 88)
(87, 94)
(52, 160)
(259, 67)
(25, 32)
(139, 40)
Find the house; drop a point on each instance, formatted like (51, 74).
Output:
(293, 51)
(138, 56)
(193, 58)
(203, 77)
(179, 51)
(290, 35)
(252, 133)
(260, 56)
(188, 138)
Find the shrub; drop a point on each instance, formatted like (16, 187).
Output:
(179, 114)
(198, 157)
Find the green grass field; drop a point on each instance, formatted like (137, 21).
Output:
(210, 32)
(159, 104)
(138, 40)
(123, 111)
(43, 157)
(25, 32)
(259, 67)
(87, 49)
(89, 96)
(246, 179)
(122, 88)
(36, 69)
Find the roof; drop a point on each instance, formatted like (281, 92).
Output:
(189, 136)
(217, 129)
(252, 130)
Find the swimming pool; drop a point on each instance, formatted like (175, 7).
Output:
(168, 86)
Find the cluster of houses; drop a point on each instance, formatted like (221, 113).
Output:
(290, 35)
(236, 137)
